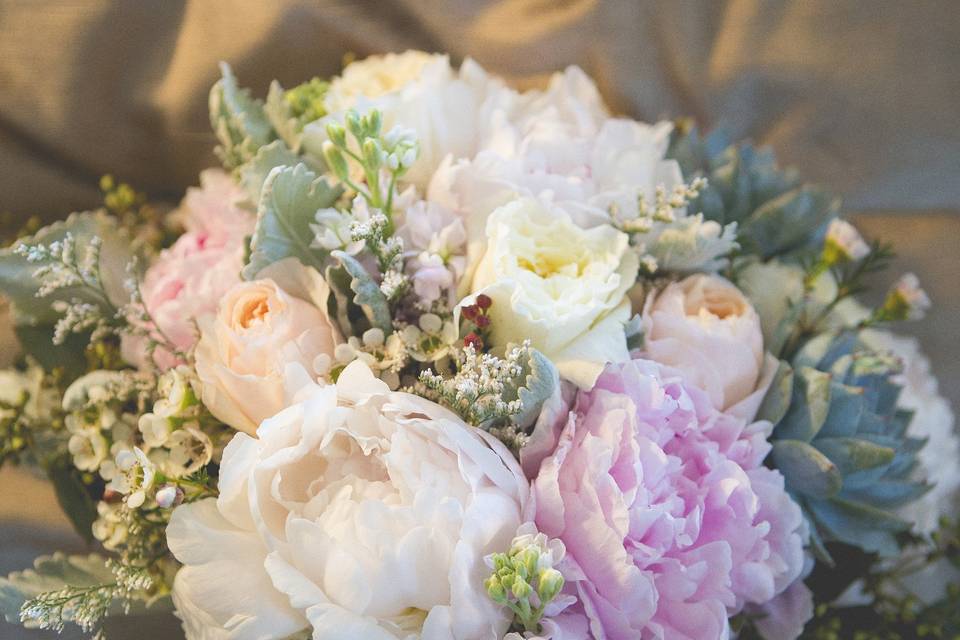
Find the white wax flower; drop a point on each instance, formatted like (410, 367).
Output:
(558, 285)
(357, 513)
(844, 238)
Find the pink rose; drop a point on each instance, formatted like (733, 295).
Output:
(187, 280)
(670, 521)
(706, 328)
(245, 351)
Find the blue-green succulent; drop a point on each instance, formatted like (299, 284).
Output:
(842, 443)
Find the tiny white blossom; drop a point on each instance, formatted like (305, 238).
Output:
(134, 477)
(844, 242)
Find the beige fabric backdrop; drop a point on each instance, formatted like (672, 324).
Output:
(861, 96)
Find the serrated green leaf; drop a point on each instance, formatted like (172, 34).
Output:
(540, 383)
(50, 573)
(284, 122)
(18, 284)
(238, 120)
(367, 294)
(805, 469)
(777, 401)
(290, 199)
(254, 172)
(809, 406)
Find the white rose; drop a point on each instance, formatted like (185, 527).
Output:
(357, 513)
(258, 332)
(561, 145)
(706, 328)
(559, 285)
(416, 90)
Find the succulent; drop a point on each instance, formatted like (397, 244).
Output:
(841, 442)
(775, 214)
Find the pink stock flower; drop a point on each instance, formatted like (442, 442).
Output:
(670, 521)
(187, 280)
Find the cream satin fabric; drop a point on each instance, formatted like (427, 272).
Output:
(859, 95)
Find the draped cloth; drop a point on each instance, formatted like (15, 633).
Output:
(861, 96)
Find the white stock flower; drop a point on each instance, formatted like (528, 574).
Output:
(242, 355)
(413, 90)
(357, 513)
(708, 330)
(558, 285)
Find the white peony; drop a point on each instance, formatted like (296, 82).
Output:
(357, 513)
(707, 329)
(415, 90)
(559, 285)
(559, 145)
(259, 331)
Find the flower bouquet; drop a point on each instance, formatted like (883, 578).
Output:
(431, 357)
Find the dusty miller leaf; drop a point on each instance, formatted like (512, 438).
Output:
(541, 379)
(367, 294)
(237, 119)
(50, 573)
(290, 199)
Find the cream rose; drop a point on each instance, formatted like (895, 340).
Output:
(561, 286)
(357, 513)
(259, 331)
(707, 329)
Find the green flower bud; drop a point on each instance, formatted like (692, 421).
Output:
(354, 125)
(337, 134)
(335, 160)
(549, 584)
(521, 588)
(495, 590)
(371, 154)
(374, 123)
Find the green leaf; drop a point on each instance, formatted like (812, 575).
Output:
(50, 573)
(808, 407)
(254, 172)
(777, 401)
(289, 202)
(805, 469)
(367, 294)
(19, 285)
(237, 119)
(541, 380)
(73, 495)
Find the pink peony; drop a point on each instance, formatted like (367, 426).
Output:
(670, 521)
(187, 280)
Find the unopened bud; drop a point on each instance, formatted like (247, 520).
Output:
(335, 160)
(169, 496)
(337, 134)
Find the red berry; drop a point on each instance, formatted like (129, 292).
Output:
(483, 321)
(471, 312)
(484, 301)
(473, 340)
